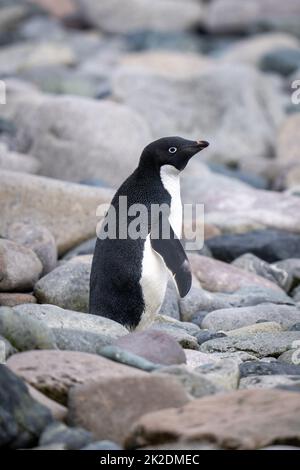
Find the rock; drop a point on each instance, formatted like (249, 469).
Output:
(67, 286)
(6, 348)
(262, 327)
(155, 346)
(20, 268)
(112, 17)
(14, 161)
(195, 359)
(196, 385)
(11, 17)
(55, 372)
(287, 154)
(71, 438)
(24, 332)
(102, 445)
(84, 248)
(267, 381)
(2, 351)
(59, 9)
(99, 407)
(252, 263)
(64, 128)
(260, 344)
(291, 356)
(17, 190)
(268, 368)
(230, 16)
(253, 48)
(269, 245)
(280, 448)
(233, 318)
(17, 57)
(166, 321)
(218, 120)
(11, 299)
(206, 335)
(39, 239)
(22, 418)
(186, 340)
(57, 411)
(283, 60)
(292, 267)
(295, 327)
(128, 358)
(217, 276)
(224, 373)
(170, 305)
(237, 356)
(73, 330)
(296, 294)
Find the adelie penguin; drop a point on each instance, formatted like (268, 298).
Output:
(129, 274)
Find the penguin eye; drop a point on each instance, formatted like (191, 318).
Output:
(172, 150)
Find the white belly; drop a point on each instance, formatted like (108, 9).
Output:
(171, 182)
(153, 281)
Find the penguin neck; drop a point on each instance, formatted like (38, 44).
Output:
(170, 178)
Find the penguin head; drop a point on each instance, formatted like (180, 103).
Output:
(174, 151)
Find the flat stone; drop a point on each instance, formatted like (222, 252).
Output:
(53, 373)
(263, 327)
(283, 60)
(155, 346)
(186, 340)
(105, 407)
(26, 198)
(67, 286)
(233, 318)
(269, 381)
(292, 356)
(73, 330)
(197, 358)
(58, 411)
(23, 418)
(20, 268)
(268, 368)
(224, 374)
(260, 344)
(122, 356)
(264, 417)
(11, 299)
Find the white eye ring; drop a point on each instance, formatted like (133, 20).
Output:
(172, 150)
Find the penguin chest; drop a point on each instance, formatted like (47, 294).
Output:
(171, 182)
(153, 282)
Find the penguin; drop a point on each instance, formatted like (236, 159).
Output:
(129, 275)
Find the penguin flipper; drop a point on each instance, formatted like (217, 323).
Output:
(174, 256)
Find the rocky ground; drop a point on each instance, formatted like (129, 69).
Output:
(88, 85)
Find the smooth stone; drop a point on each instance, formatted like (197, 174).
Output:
(155, 346)
(11, 299)
(186, 340)
(67, 286)
(296, 294)
(7, 348)
(84, 248)
(196, 358)
(23, 418)
(196, 385)
(245, 419)
(170, 305)
(102, 445)
(16, 190)
(20, 268)
(295, 327)
(252, 179)
(238, 356)
(25, 332)
(73, 330)
(260, 344)
(269, 245)
(269, 381)
(268, 368)
(224, 373)
(283, 61)
(2, 351)
(206, 335)
(13, 161)
(233, 318)
(128, 358)
(217, 276)
(112, 17)
(165, 320)
(262, 327)
(53, 373)
(292, 356)
(252, 263)
(58, 412)
(39, 239)
(71, 438)
(287, 160)
(99, 406)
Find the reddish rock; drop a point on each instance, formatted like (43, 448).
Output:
(59, 8)
(58, 411)
(11, 299)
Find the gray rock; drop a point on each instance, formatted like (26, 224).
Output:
(184, 339)
(2, 351)
(7, 348)
(25, 332)
(23, 419)
(269, 381)
(165, 320)
(206, 335)
(67, 286)
(292, 356)
(268, 368)
(75, 331)
(122, 356)
(295, 327)
(85, 248)
(224, 373)
(196, 385)
(261, 344)
(102, 445)
(71, 438)
(270, 245)
(39, 239)
(170, 305)
(232, 318)
(283, 61)
(252, 263)
(20, 268)
(292, 267)
(259, 327)
(296, 294)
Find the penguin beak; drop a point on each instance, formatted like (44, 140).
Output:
(202, 144)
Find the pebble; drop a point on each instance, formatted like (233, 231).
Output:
(268, 368)
(71, 438)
